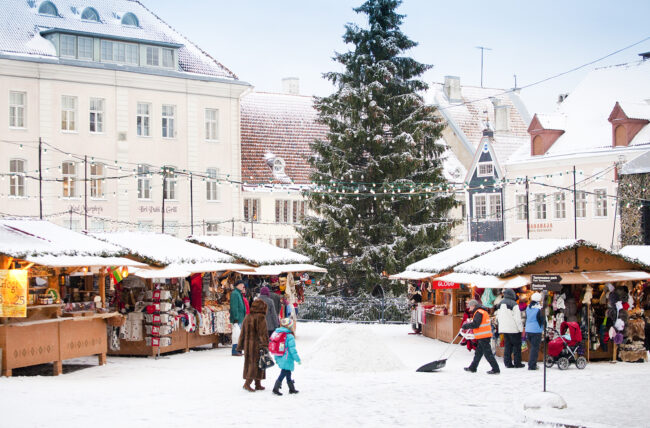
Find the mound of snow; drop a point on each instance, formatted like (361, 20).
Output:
(544, 400)
(351, 348)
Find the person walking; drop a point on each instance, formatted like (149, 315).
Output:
(534, 328)
(482, 334)
(511, 326)
(286, 360)
(253, 338)
(272, 319)
(237, 314)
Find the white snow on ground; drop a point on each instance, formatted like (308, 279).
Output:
(204, 388)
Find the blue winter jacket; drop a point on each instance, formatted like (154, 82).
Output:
(532, 319)
(290, 355)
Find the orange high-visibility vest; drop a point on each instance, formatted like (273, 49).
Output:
(484, 330)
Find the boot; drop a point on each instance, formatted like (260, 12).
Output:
(292, 388)
(247, 385)
(258, 385)
(235, 353)
(276, 387)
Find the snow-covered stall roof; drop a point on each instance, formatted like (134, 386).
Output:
(638, 165)
(250, 250)
(23, 238)
(447, 259)
(162, 250)
(637, 252)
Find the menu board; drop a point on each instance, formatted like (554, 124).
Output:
(13, 293)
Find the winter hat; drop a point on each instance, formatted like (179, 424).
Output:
(474, 303)
(509, 293)
(264, 291)
(287, 323)
(536, 297)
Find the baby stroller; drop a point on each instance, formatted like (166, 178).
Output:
(563, 351)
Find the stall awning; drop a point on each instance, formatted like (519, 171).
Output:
(599, 277)
(278, 269)
(412, 275)
(90, 261)
(182, 270)
(486, 281)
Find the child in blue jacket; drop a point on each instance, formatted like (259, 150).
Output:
(285, 361)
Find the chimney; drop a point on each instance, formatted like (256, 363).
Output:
(562, 97)
(645, 56)
(291, 85)
(452, 88)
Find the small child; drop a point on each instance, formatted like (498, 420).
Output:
(286, 360)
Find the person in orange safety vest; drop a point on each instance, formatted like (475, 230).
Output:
(480, 324)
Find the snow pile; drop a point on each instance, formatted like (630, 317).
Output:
(544, 400)
(637, 252)
(352, 349)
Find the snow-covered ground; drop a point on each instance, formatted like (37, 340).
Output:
(352, 375)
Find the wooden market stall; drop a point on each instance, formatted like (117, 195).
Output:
(443, 302)
(178, 305)
(589, 276)
(52, 287)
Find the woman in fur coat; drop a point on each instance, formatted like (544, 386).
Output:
(254, 337)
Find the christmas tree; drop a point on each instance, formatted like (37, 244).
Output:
(380, 198)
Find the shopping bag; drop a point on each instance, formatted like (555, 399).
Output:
(265, 360)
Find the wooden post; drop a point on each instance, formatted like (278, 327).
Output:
(102, 287)
(58, 364)
(5, 262)
(102, 359)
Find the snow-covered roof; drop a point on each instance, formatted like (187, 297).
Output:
(447, 259)
(452, 168)
(636, 110)
(250, 250)
(282, 126)
(552, 120)
(21, 26)
(159, 249)
(587, 109)
(637, 252)
(467, 117)
(20, 238)
(638, 165)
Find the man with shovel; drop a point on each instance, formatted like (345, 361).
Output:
(482, 333)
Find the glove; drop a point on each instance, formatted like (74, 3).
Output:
(299, 362)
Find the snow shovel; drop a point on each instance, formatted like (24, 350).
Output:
(440, 363)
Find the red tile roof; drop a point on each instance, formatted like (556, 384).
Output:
(282, 124)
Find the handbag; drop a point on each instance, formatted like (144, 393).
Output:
(265, 360)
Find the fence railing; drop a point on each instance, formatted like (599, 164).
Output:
(355, 309)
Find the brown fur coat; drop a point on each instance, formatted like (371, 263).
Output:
(254, 337)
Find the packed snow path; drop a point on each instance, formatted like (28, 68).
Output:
(336, 389)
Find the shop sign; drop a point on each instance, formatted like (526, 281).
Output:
(546, 282)
(444, 285)
(13, 293)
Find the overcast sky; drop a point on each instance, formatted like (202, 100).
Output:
(264, 41)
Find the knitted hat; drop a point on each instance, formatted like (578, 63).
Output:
(287, 323)
(264, 291)
(474, 303)
(536, 297)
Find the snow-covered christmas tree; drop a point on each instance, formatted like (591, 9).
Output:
(380, 196)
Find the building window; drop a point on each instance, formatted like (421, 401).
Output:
(298, 211)
(144, 182)
(69, 174)
(168, 58)
(130, 19)
(171, 228)
(68, 113)
(538, 146)
(211, 228)
(68, 46)
(581, 204)
(295, 243)
(211, 186)
(495, 206)
(620, 136)
(97, 226)
(211, 124)
(485, 169)
(90, 14)
(48, 8)
(153, 56)
(142, 119)
(85, 48)
(97, 180)
(480, 207)
(560, 205)
(169, 183)
(540, 206)
(168, 119)
(97, 115)
(119, 52)
(282, 242)
(282, 211)
(17, 109)
(521, 207)
(145, 225)
(252, 210)
(600, 196)
(17, 177)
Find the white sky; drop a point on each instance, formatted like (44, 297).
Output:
(263, 41)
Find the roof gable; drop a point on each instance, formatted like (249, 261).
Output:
(484, 148)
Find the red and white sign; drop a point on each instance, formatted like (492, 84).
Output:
(444, 285)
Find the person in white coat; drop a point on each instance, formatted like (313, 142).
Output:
(511, 326)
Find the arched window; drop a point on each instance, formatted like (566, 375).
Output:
(48, 8)
(538, 149)
(130, 19)
(90, 14)
(620, 136)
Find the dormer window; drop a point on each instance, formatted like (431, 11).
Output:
(544, 130)
(485, 169)
(627, 120)
(48, 8)
(278, 166)
(130, 19)
(90, 14)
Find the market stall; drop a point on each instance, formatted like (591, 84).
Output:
(442, 305)
(602, 291)
(178, 304)
(52, 294)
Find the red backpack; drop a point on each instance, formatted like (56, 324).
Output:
(277, 343)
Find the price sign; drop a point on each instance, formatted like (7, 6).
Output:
(13, 293)
(545, 282)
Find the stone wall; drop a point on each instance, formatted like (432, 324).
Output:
(631, 188)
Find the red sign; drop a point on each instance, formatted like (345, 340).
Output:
(444, 285)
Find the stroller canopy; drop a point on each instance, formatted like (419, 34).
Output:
(574, 332)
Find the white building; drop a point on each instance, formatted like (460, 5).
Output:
(111, 83)
(599, 126)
